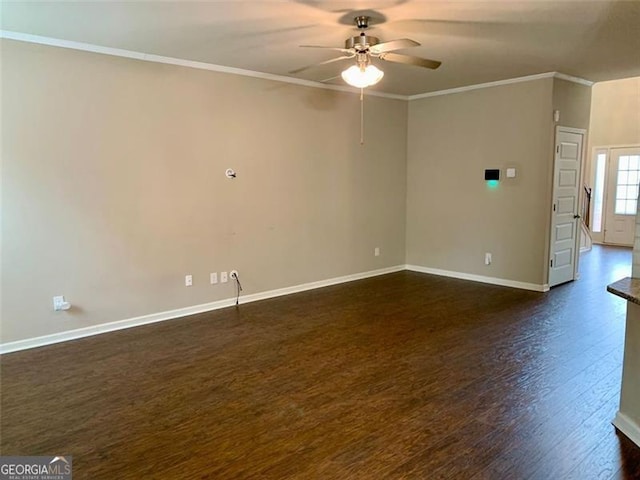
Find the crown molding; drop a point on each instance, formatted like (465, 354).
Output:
(118, 52)
(569, 78)
(478, 86)
(528, 78)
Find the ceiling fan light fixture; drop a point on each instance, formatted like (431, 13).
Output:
(362, 77)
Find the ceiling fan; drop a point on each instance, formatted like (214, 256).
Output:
(364, 47)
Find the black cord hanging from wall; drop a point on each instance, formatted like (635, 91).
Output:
(236, 277)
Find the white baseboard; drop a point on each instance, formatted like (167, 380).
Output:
(627, 426)
(480, 278)
(207, 307)
(183, 312)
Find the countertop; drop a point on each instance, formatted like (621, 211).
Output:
(627, 288)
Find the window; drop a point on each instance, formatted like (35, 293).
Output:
(598, 192)
(627, 186)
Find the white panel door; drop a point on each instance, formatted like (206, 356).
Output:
(622, 196)
(564, 218)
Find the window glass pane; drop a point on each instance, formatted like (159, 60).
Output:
(631, 207)
(598, 192)
(630, 192)
(621, 192)
(633, 177)
(629, 195)
(621, 207)
(623, 177)
(634, 162)
(624, 162)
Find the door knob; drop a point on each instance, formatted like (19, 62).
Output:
(576, 216)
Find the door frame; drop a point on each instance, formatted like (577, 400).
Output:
(576, 249)
(598, 237)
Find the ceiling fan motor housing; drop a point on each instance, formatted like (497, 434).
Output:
(361, 43)
(363, 47)
(362, 21)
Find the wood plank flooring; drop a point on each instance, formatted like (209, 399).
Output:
(403, 376)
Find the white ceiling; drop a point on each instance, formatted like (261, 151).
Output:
(477, 41)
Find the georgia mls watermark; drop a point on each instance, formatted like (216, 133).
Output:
(36, 468)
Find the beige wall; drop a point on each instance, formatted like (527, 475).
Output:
(615, 113)
(453, 218)
(113, 186)
(573, 101)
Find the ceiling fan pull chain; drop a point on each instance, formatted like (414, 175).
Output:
(362, 116)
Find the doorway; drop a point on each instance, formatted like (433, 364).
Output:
(615, 195)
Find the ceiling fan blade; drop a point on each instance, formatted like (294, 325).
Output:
(337, 59)
(410, 60)
(343, 50)
(478, 29)
(393, 45)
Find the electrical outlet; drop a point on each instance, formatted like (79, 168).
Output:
(213, 278)
(376, 251)
(188, 280)
(223, 277)
(487, 259)
(233, 274)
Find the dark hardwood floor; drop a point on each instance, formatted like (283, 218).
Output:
(401, 376)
